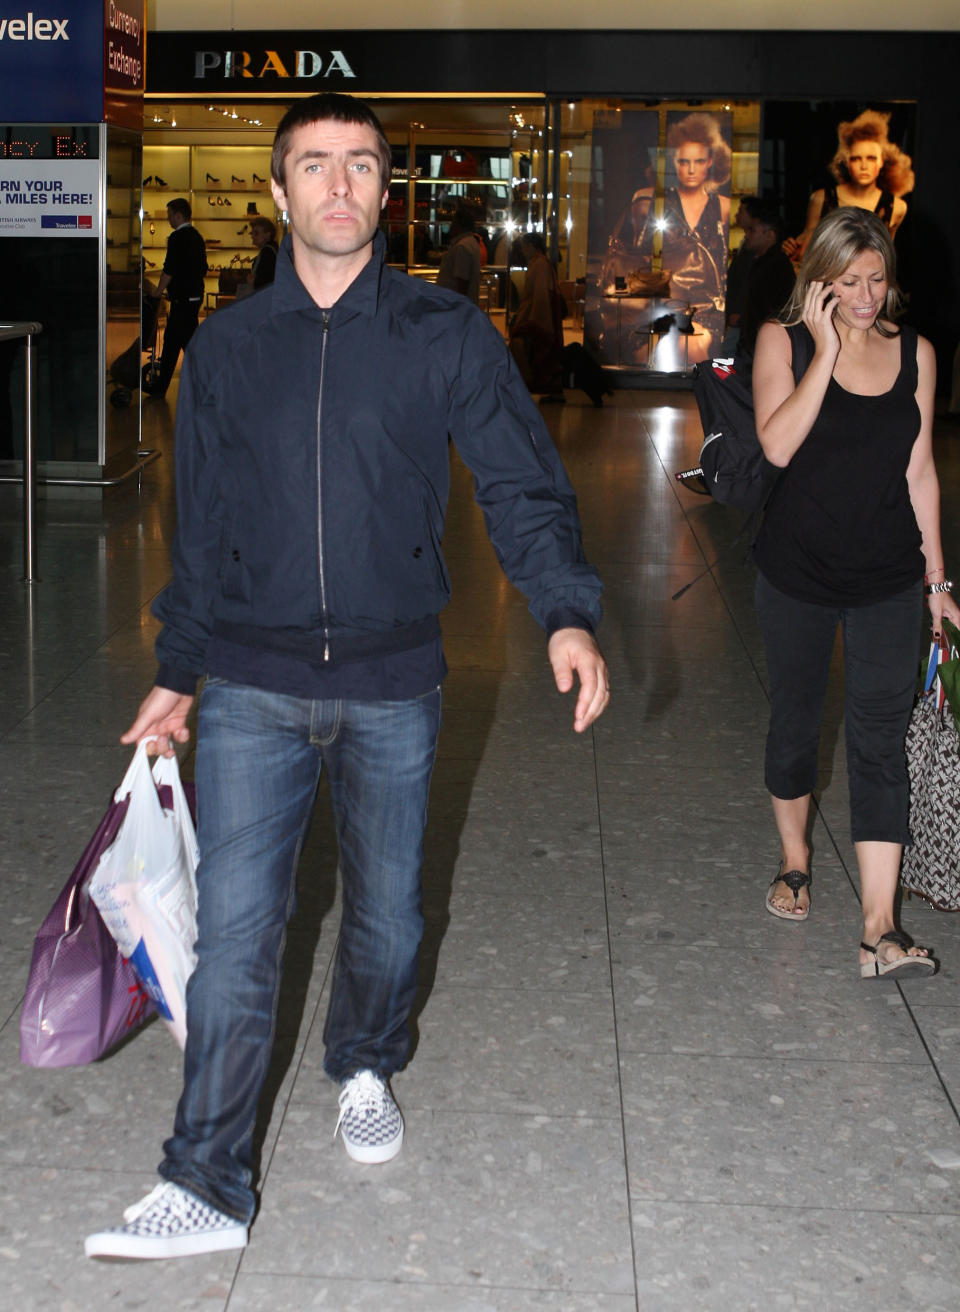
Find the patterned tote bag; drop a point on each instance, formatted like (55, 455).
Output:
(931, 866)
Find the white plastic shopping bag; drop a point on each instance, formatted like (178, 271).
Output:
(145, 885)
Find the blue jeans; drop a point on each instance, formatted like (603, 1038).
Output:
(259, 757)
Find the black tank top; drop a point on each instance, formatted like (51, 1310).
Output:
(883, 208)
(839, 528)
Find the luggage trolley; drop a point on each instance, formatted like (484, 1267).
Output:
(129, 371)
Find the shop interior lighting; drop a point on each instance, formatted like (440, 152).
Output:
(253, 122)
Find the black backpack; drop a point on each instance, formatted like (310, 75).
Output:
(733, 469)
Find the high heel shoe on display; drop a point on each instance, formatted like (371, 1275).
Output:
(161, 182)
(211, 178)
(147, 181)
(257, 178)
(241, 182)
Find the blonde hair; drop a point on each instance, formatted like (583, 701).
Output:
(837, 240)
(895, 175)
(704, 129)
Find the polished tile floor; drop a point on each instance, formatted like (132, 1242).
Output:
(631, 1088)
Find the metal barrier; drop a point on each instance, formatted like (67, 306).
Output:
(8, 332)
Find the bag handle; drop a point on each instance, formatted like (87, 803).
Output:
(135, 769)
(941, 651)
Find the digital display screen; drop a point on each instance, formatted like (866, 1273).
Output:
(48, 141)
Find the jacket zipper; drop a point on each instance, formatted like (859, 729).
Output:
(320, 562)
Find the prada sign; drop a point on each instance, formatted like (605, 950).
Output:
(248, 62)
(265, 65)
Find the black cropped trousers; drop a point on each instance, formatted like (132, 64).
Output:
(881, 652)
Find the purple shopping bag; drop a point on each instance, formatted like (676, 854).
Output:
(82, 997)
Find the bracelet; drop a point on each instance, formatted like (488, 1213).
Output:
(945, 586)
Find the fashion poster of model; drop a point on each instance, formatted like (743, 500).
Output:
(691, 225)
(868, 171)
(664, 267)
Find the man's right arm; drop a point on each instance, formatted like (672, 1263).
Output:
(184, 606)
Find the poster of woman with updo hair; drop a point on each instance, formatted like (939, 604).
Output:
(691, 227)
(665, 258)
(868, 171)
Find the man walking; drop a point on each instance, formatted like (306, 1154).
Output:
(461, 265)
(312, 477)
(184, 269)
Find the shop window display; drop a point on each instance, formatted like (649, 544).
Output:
(227, 185)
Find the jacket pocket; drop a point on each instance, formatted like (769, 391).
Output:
(234, 579)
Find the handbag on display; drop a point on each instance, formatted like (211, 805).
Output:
(82, 997)
(931, 866)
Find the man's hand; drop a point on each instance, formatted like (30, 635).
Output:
(574, 651)
(163, 715)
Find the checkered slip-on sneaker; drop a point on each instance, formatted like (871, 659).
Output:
(370, 1120)
(169, 1222)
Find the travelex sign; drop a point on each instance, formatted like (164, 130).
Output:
(49, 198)
(51, 60)
(30, 28)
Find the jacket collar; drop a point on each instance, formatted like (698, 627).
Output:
(361, 297)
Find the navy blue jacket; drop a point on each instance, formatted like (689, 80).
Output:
(312, 470)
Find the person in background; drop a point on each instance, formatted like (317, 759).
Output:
(536, 331)
(263, 234)
(771, 276)
(738, 271)
(184, 269)
(313, 471)
(850, 538)
(462, 260)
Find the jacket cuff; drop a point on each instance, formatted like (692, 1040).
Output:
(176, 680)
(566, 617)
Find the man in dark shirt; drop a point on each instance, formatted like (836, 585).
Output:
(738, 272)
(182, 279)
(771, 278)
(313, 434)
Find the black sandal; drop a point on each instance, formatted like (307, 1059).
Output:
(795, 880)
(905, 967)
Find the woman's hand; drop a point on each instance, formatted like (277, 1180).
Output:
(818, 308)
(942, 604)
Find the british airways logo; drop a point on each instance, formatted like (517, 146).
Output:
(34, 29)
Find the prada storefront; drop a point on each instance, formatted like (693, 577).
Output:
(583, 136)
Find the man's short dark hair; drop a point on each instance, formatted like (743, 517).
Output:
(318, 109)
(464, 218)
(768, 215)
(180, 206)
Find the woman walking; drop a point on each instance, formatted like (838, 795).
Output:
(851, 537)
